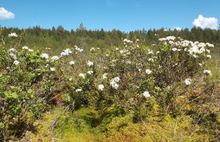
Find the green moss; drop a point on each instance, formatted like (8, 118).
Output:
(76, 127)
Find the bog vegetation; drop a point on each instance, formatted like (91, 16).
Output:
(130, 91)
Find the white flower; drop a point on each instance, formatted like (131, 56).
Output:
(150, 59)
(158, 52)
(78, 49)
(47, 65)
(92, 49)
(195, 49)
(185, 43)
(72, 62)
(171, 38)
(171, 42)
(195, 56)
(202, 50)
(12, 55)
(66, 52)
(188, 81)
(150, 51)
(174, 49)
(52, 69)
(12, 50)
(127, 41)
(90, 72)
(114, 85)
(44, 56)
(116, 79)
(89, 63)
(168, 38)
(202, 45)
(114, 82)
(146, 94)
(30, 50)
(122, 51)
(101, 87)
(210, 45)
(16, 62)
(82, 75)
(207, 72)
(25, 48)
(54, 58)
(209, 56)
(162, 39)
(79, 90)
(148, 71)
(12, 35)
(208, 51)
(104, 76)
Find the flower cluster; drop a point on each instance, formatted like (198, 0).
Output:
(55, 58)
(114, 82)
(66, 52)
(90, 63)
(12, 53)
(72, 63)
(101, 87)
(44, 56)
(188, 81)
(208, 72)
(168, 38)
(12, 35)
(127, 41)
(148, 71)
(78, 49)
(27, 48)
(193, 48)
(146, 94)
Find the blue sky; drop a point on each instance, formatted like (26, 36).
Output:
(125, 15)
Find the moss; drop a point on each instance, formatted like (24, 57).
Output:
(76, 127)
(179, 129)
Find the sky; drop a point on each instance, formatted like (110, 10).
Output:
(125, 15)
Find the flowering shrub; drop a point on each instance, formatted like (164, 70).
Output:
(146, 83)
(26, 87)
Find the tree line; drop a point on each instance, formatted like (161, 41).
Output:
(58, 37)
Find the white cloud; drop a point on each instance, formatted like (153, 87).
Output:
(5, 14)
(206, 22)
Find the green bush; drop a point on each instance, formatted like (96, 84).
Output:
(110, 91)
